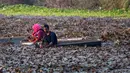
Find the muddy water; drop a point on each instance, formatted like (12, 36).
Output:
(11, 40)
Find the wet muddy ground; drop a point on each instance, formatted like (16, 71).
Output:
(113, 58)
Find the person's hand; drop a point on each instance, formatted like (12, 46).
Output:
(30, 41)
(28, 37)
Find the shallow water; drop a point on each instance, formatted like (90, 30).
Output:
(12, 40)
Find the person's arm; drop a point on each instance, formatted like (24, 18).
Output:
(49, 45)
(37, 38)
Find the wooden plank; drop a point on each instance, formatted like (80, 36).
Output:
(81, 43)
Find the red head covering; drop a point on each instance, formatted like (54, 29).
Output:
(36, 28)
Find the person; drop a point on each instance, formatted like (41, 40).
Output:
(50, 39)
(38, 34)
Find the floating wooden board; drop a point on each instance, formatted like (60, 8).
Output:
(80, 43)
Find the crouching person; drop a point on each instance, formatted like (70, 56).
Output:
(50, 40)
(37, 35)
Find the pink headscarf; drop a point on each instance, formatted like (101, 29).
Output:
(36, 28)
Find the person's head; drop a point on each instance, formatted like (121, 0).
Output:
(36, 27)
(46, 28)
